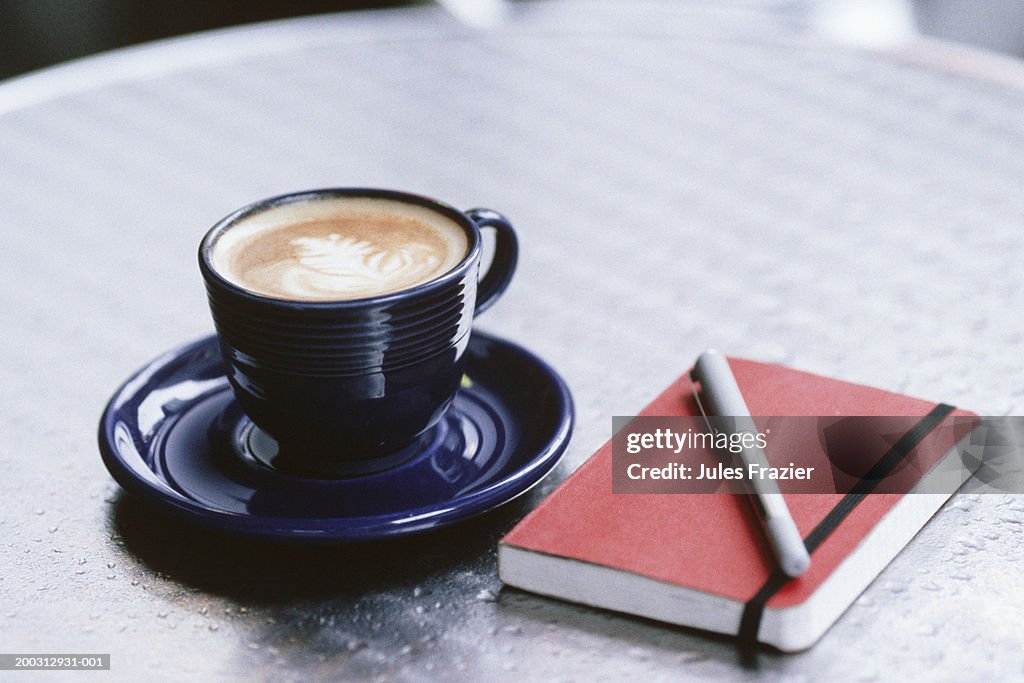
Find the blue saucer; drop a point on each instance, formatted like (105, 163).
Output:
(171, 435)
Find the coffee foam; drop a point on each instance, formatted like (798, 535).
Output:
(338, 249)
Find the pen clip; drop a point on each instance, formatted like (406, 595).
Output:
(696, 396)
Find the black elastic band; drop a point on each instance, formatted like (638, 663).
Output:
(753, 611)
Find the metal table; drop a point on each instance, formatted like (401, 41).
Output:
(682, 176)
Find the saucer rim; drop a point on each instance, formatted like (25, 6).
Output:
(153, 489)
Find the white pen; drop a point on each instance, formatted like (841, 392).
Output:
(724, 400)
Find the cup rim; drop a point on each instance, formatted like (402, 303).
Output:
(210, 273)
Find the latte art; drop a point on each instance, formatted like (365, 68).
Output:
(337, 264)
(339, 249)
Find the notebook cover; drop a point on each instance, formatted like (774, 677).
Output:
(712, 542)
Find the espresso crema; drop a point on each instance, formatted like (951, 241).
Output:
(338, 249)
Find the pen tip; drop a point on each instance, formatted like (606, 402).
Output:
(797, 565)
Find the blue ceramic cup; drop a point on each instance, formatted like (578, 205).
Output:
(340, 387)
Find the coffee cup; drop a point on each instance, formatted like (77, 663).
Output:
(343, 316)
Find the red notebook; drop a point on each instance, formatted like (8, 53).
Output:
(701, 560)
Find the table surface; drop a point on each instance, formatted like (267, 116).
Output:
(682, 176)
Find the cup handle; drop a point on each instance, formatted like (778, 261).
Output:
(506, 255)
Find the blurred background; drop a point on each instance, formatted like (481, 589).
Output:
(38, 33)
